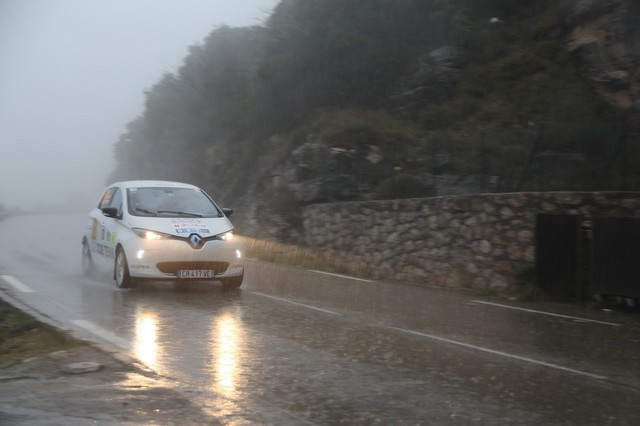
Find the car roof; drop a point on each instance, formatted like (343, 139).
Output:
(153, 183)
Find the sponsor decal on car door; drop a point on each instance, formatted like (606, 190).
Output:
(106, 235)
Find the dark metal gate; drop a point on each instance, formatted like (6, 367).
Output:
(615, 264)
(576, 257)
(559, 254)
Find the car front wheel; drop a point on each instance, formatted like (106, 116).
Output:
(121, 272)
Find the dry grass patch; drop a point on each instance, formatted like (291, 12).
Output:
(23, 337)
(307, 258)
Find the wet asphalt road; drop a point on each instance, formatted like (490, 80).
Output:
(302, 347)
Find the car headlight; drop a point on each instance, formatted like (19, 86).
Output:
(147, 234)
(227, 236)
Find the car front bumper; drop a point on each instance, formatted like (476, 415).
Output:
(162, 259)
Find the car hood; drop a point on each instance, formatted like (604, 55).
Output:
(183, 227)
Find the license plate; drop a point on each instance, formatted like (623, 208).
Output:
(195, 273)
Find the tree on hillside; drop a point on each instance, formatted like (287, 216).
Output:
(193, 120)
(335, 53)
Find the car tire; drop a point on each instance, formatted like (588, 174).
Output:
(87, 261)
(121, 271)
(232, 283)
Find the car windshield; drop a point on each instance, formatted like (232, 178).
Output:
(170, 202)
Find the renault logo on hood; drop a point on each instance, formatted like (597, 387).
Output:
(196, 241)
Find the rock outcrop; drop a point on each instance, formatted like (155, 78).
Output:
(605, 36)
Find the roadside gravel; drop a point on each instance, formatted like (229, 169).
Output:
(87, 385)
(92, 384)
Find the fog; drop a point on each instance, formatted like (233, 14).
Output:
(73, 74)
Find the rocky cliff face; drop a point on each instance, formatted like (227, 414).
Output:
(605, 36)
(313, 173)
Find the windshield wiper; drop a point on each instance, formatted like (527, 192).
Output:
(181, 213)
(138, 209)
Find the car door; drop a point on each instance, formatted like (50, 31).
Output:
(104, 231)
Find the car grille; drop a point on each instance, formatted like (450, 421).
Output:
(172, 267)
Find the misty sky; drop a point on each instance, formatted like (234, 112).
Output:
(73, 74)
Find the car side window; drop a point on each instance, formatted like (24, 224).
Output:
(116, 201)
(112, 198)
(106, 198)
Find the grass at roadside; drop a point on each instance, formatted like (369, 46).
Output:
(302, 257)
(23, 337)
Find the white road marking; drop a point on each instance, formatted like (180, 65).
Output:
(17, 284)
(579, 319)
(500, 353)
(296, 303)
(102, 333)
(340, 276)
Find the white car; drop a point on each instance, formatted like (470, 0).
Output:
(161, 230)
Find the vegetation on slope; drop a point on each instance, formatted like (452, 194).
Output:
(428, 87)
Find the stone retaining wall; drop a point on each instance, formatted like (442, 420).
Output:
(476, 241)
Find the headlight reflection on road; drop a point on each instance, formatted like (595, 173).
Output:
(145, 344)
(226, 339)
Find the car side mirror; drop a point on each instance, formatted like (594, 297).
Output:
(110, 212)
(227, 211)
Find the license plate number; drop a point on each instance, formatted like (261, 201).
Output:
(195, 273)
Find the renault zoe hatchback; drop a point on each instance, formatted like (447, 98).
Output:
(159, 230)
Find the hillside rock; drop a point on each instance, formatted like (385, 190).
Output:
(605, 36)
(313, 173)
(317, 173)
(436, 74)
